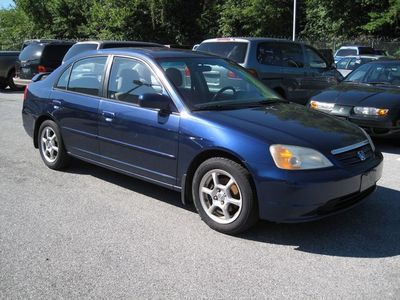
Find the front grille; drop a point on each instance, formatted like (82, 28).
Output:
(356, 155)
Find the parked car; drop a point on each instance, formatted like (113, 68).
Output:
(39, 57)
(80, 47)
(7, 68)
(381, 52)
(240, 154)
(368, 97)
(353, 51)
(346, 65)
(328, 55)
(294, 70)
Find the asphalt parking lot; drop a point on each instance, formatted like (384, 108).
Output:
(92, 233)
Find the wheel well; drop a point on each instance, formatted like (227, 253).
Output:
(39, 122)
(197, 161)
(280, 91)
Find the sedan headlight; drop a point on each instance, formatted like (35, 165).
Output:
(298, 158)
(324, 106)
(370, 111)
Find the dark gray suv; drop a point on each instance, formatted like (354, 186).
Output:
(294, 70)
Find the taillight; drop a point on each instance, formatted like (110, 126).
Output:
(252, 72)
(41, 69)
(25, 92)
(187, 72)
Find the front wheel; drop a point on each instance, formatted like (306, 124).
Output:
(223, 195)
(51, 146)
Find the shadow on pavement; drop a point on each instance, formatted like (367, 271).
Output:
(133, 184)
(369, 230)
(9, 91)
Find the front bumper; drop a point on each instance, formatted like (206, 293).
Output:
(21, 82)
(316, 194)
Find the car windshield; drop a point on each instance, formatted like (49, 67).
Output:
(377, 73)
(213, 83)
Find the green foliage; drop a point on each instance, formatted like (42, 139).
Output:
(190, 21)
(256, 18)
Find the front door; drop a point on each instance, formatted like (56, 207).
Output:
(138, 140)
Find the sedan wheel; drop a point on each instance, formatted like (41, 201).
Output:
(224, 196)
(220, 196)
(51, 146)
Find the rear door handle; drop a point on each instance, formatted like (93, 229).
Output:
(56, 104)
(108, 116)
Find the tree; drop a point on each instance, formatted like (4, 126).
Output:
(14, 26)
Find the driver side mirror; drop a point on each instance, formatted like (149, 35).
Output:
(156, 101)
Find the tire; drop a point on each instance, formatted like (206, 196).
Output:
(3, 84)
(10, 82)
(229, 206)
(51, 146)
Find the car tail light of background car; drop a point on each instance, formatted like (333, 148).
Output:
(41, 69)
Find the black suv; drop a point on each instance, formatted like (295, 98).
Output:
(41, 56)
(96, 45)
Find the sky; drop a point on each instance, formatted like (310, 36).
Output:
(6, 3)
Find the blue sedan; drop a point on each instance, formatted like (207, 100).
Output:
(240, 153)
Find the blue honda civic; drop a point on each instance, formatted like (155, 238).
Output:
(205, 127)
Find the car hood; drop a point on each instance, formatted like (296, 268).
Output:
(361, 95)
(282, 123)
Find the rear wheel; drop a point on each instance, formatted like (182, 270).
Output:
(3, 84)
(223, 196)
(51, 146)
(11, 83)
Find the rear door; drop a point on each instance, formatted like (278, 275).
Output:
(76, 100)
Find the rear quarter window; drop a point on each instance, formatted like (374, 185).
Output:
(235, 51)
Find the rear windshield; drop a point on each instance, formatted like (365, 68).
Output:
(346, 52)
(31, 52)
(122, 45)
(235, 51)
(53, 54)
(78, 49)
(366, 50)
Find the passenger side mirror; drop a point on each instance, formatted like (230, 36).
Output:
(156, 101)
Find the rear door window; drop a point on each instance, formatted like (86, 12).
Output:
(86, 75)
(235, 51)
(315, 60)
(280, 54)
(78, 49)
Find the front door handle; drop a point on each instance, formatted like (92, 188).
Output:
(108, 116)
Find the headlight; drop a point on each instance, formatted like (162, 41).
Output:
(324, 106)
(370, 111)
(298, 158)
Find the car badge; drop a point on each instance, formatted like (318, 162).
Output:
(361, 155)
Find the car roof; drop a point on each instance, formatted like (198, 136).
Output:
(154, 52)
(118, 42)
(365, 56)
(353, 47)
(248, 39)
